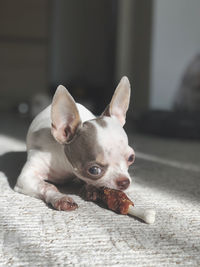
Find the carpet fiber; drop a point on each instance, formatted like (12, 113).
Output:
(33, 234)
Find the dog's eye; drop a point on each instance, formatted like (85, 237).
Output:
(94, 170)
(131, 158)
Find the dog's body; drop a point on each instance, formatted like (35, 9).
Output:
(66, 140)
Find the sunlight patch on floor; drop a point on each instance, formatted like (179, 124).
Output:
(11, 144)
(168, 162)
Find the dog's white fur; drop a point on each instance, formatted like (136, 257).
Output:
(46, 141)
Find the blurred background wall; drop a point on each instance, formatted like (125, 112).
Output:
(175, 42)
(24, 39)
(88, 45)
(83, 47)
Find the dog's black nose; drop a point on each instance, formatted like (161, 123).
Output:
(123, 183)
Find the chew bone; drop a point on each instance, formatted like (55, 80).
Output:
(147, 215)
(117, 201)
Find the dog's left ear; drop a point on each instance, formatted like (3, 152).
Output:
(120, 101)
(64, 115)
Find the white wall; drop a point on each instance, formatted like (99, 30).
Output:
(175, 41)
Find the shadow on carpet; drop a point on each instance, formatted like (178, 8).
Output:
(11, 164)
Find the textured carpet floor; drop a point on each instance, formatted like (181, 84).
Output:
(166, 176)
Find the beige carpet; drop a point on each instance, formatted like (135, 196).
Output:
(32, 234)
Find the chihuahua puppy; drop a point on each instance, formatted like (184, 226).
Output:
(66, 140)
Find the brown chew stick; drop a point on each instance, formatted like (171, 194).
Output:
(117, 201)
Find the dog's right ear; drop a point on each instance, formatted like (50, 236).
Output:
(120, 101)
(64, 115)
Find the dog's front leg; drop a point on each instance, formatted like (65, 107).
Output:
(59, 201)
(32, 184)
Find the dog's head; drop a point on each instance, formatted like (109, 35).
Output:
(97, 149)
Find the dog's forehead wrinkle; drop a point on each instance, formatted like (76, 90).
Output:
(113, 141)
(101, 122)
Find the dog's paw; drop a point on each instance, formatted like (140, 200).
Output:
(65, 203)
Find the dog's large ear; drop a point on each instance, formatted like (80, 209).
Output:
(64, 115)
(120, 101)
